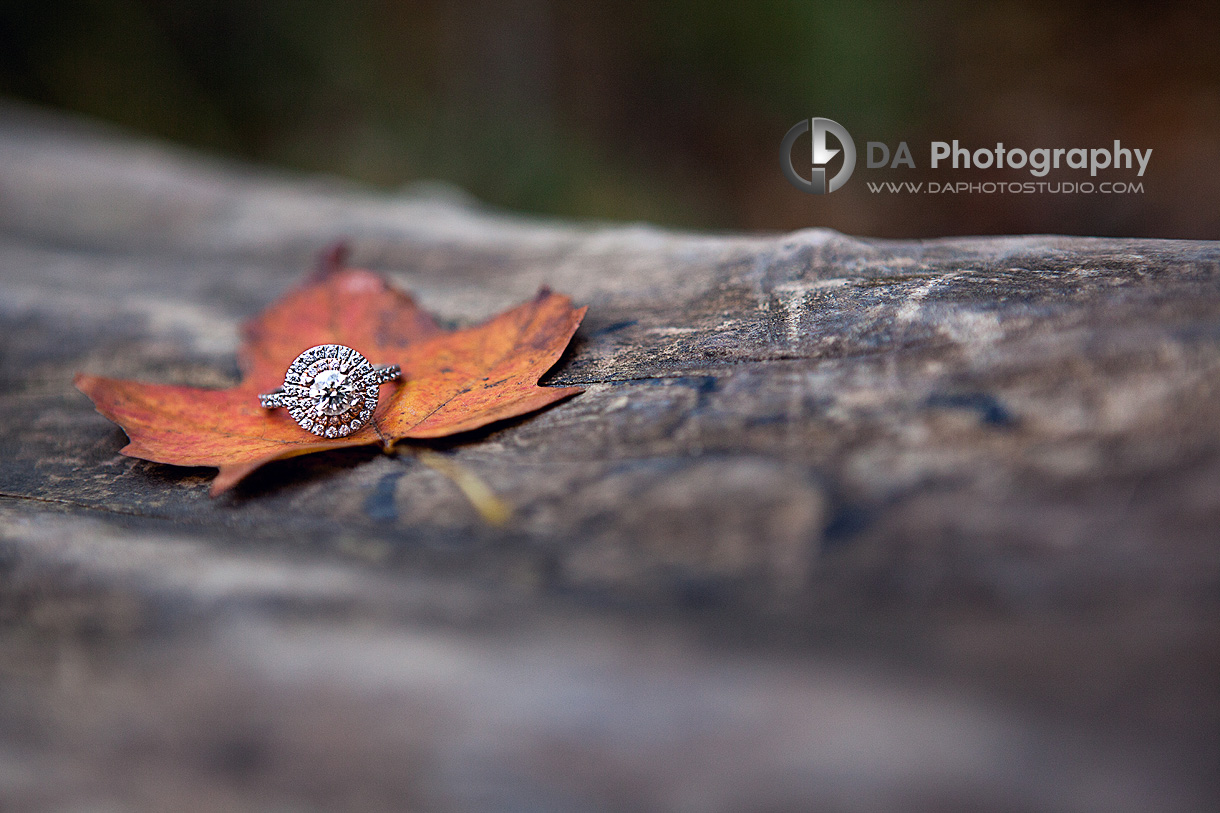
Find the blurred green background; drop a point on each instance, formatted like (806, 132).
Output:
(670, 111)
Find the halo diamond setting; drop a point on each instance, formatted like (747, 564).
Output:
(331, 390)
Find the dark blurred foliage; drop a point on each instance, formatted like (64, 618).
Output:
(668, 111)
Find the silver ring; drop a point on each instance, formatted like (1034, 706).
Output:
(330, 390)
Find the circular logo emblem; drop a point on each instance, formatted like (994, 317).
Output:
(817, 183)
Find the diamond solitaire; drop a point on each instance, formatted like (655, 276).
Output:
(330, 390)
(333, 394)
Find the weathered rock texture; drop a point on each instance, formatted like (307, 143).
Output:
(839, 524)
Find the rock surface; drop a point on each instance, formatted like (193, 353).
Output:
(839, 524)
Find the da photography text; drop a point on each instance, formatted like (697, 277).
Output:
(829, 139)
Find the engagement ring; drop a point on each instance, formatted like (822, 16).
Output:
(331, 390)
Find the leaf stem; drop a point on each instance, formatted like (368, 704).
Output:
(492, 509)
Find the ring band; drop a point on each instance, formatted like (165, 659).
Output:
(330, 390)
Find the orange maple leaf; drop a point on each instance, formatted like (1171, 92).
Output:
(452, 381)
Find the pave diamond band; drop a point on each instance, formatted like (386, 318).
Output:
(330, 390)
